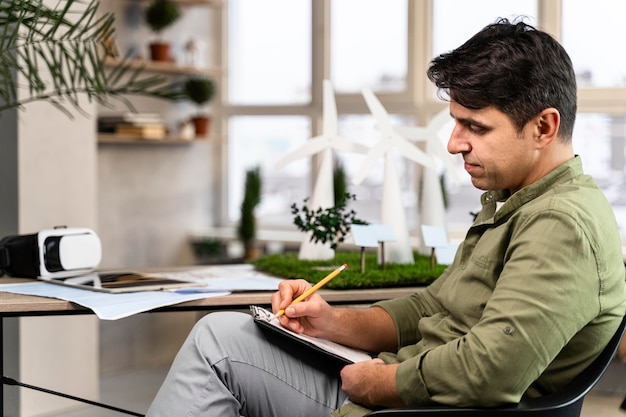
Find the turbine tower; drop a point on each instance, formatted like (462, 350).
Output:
(432, 203)
(392, 209)
(323, 194)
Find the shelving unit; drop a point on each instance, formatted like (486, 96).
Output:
(166, 68)
(113, 139)
(210, 3)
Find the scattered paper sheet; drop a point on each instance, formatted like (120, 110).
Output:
(217, 280)
(109, 306)
(238, 277)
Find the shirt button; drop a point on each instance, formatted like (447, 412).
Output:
(508, 330)
(488, 198)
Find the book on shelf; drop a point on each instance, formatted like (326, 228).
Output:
(131, 117)
(107, 123)
(146, 131)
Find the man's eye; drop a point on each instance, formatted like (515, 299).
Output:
(478, 130)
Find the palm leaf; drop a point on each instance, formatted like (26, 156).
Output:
(60, 52)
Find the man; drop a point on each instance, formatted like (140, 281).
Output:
(535, 292)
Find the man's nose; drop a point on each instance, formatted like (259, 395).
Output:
(457, 142)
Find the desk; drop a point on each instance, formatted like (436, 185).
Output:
(16, 305)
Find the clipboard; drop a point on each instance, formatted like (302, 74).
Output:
(344, 354)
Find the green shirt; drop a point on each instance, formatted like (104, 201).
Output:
(535, 292)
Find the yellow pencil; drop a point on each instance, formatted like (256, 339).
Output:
(314, 288)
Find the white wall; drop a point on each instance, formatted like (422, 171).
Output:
(150, 197)
(52, 168)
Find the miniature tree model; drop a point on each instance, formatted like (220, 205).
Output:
(340, 185)
(246, 230)
(326, 225)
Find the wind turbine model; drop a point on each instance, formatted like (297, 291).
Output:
(392, 209)
(323, 195)
(432, 205)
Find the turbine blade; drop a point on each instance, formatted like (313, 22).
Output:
(408, 150)
(434, 146)
(311, 147)
(412, 132)
(342, 144)
(376, 152)
(440, 120)
(379, 112)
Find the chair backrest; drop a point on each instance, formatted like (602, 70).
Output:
(566, 402)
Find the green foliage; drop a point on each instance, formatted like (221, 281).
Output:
(60, 51)
(394, 275)
(326, 225)
(160, 14)
(340, 185)
(200, 90)
(246, 231)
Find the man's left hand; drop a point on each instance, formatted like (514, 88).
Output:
(371, 383)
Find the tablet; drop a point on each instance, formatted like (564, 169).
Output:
(120, 282)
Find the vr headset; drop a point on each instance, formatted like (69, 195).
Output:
(54, 253)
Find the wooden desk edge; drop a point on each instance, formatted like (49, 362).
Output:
(24, 305)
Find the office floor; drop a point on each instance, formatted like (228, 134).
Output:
(134, 392)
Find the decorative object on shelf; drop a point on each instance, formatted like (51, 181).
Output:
(246, 230)
(200, 90)
(186, 130)
(73, 35)
(159, 15)
(194, 52)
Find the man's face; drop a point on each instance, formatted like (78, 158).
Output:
(496, 156)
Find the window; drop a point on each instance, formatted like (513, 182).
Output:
(266, 66)
(600, 131)
(258, 140)
(600, 140)
(597, 61)
(451, 30)
(368, 45)
(273, 102)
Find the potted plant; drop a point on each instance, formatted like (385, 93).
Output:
(246, 231)
(200, 90)
(159, 15)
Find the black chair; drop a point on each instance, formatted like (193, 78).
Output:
(564, 403)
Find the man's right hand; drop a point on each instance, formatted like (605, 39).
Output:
(309, 316)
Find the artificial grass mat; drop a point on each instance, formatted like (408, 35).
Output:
(394, 275)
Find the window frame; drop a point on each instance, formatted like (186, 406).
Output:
(418, 100)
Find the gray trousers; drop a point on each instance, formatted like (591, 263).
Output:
(229, 367)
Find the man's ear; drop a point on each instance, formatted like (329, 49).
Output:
(547, 126)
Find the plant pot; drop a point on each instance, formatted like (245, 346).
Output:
(160, 51)
(252, 252)
(201, 125)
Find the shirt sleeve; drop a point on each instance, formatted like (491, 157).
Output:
(545, 293)
(406, 312)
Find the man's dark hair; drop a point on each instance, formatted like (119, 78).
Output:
(514, 67)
